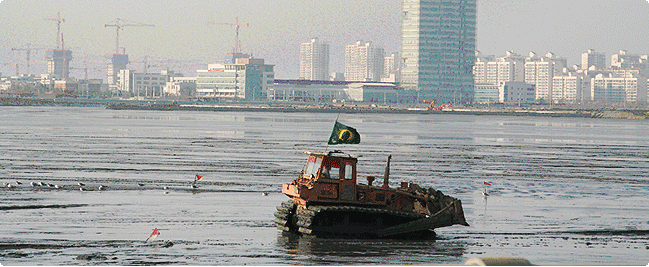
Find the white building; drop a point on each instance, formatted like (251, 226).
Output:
(491, 70)
(148, 85)
(511, 68)
(517, 92)
(480, 67)
(364, 62)
(566, 88)
(314, 60)
(614, 88)
(391, 68)
(340, 92)
(310, 91)
(593, 59)
(248, 79)
(540, 72)
(180, 87)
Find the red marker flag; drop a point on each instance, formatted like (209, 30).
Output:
(153, 235)
(487, 183)
(198, 177)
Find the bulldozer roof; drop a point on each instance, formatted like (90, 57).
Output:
(334, 153)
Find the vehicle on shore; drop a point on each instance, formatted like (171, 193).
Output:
(327, 201)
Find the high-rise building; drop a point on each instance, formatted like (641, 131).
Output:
(438, 44)
(391, 68)
(492, 70)
(624, 60)
(58, 63)
(566, 88)
(541, 70)
(364, 62)
(540, 73)
(592, 58)
(614, 88)
(314, 60)
(117, 63)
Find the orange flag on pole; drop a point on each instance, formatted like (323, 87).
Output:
(153, 235)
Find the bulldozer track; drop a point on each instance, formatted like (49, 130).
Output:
(304, 218)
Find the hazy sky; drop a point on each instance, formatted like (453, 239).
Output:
(277, 27)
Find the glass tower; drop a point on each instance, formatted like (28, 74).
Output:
(438, 49)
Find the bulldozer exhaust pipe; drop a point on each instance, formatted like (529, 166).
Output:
(386, 175)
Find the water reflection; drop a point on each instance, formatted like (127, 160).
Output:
(320, 251)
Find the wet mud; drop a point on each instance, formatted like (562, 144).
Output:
(564, 190)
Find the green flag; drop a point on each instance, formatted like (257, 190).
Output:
(343, 134)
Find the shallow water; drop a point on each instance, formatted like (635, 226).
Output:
(565, 190)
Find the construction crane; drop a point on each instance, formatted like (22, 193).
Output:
(236, 25)
(146, 65)
(58, 21)
(29, 50)
(119, 24)
(85, 69)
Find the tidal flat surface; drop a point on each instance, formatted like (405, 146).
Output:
(564, 190)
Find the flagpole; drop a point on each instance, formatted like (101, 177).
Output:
(337, 117)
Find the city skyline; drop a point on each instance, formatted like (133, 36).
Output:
(277, 29)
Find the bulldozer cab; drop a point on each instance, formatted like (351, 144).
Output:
(335, 170)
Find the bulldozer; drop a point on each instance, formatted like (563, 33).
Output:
(327, 201)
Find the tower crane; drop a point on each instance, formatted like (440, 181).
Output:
(29, 50)
(58, 21)
(236, 25)
(85, 69)
(119, 24)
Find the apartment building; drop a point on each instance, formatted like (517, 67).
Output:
(364, 62)
(314, 60)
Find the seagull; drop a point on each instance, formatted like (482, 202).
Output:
(194, 186)
(484, 193)
(165, 188)
(40, 183)
(264, 194)
(140, 184)
(81, 189)
(19, 182)
(9, 186)
(33, 184)
(5, 184)
(101, 187)
(57, 186)
(81, 184)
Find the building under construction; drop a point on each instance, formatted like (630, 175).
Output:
(58, 63)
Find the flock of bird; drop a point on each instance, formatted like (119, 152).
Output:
(83, 187)
(44, 184)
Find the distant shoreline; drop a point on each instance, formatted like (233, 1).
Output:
(166, 105)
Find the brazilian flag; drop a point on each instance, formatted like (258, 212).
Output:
(343, 134)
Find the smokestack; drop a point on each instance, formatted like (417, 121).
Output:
(386, 175)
